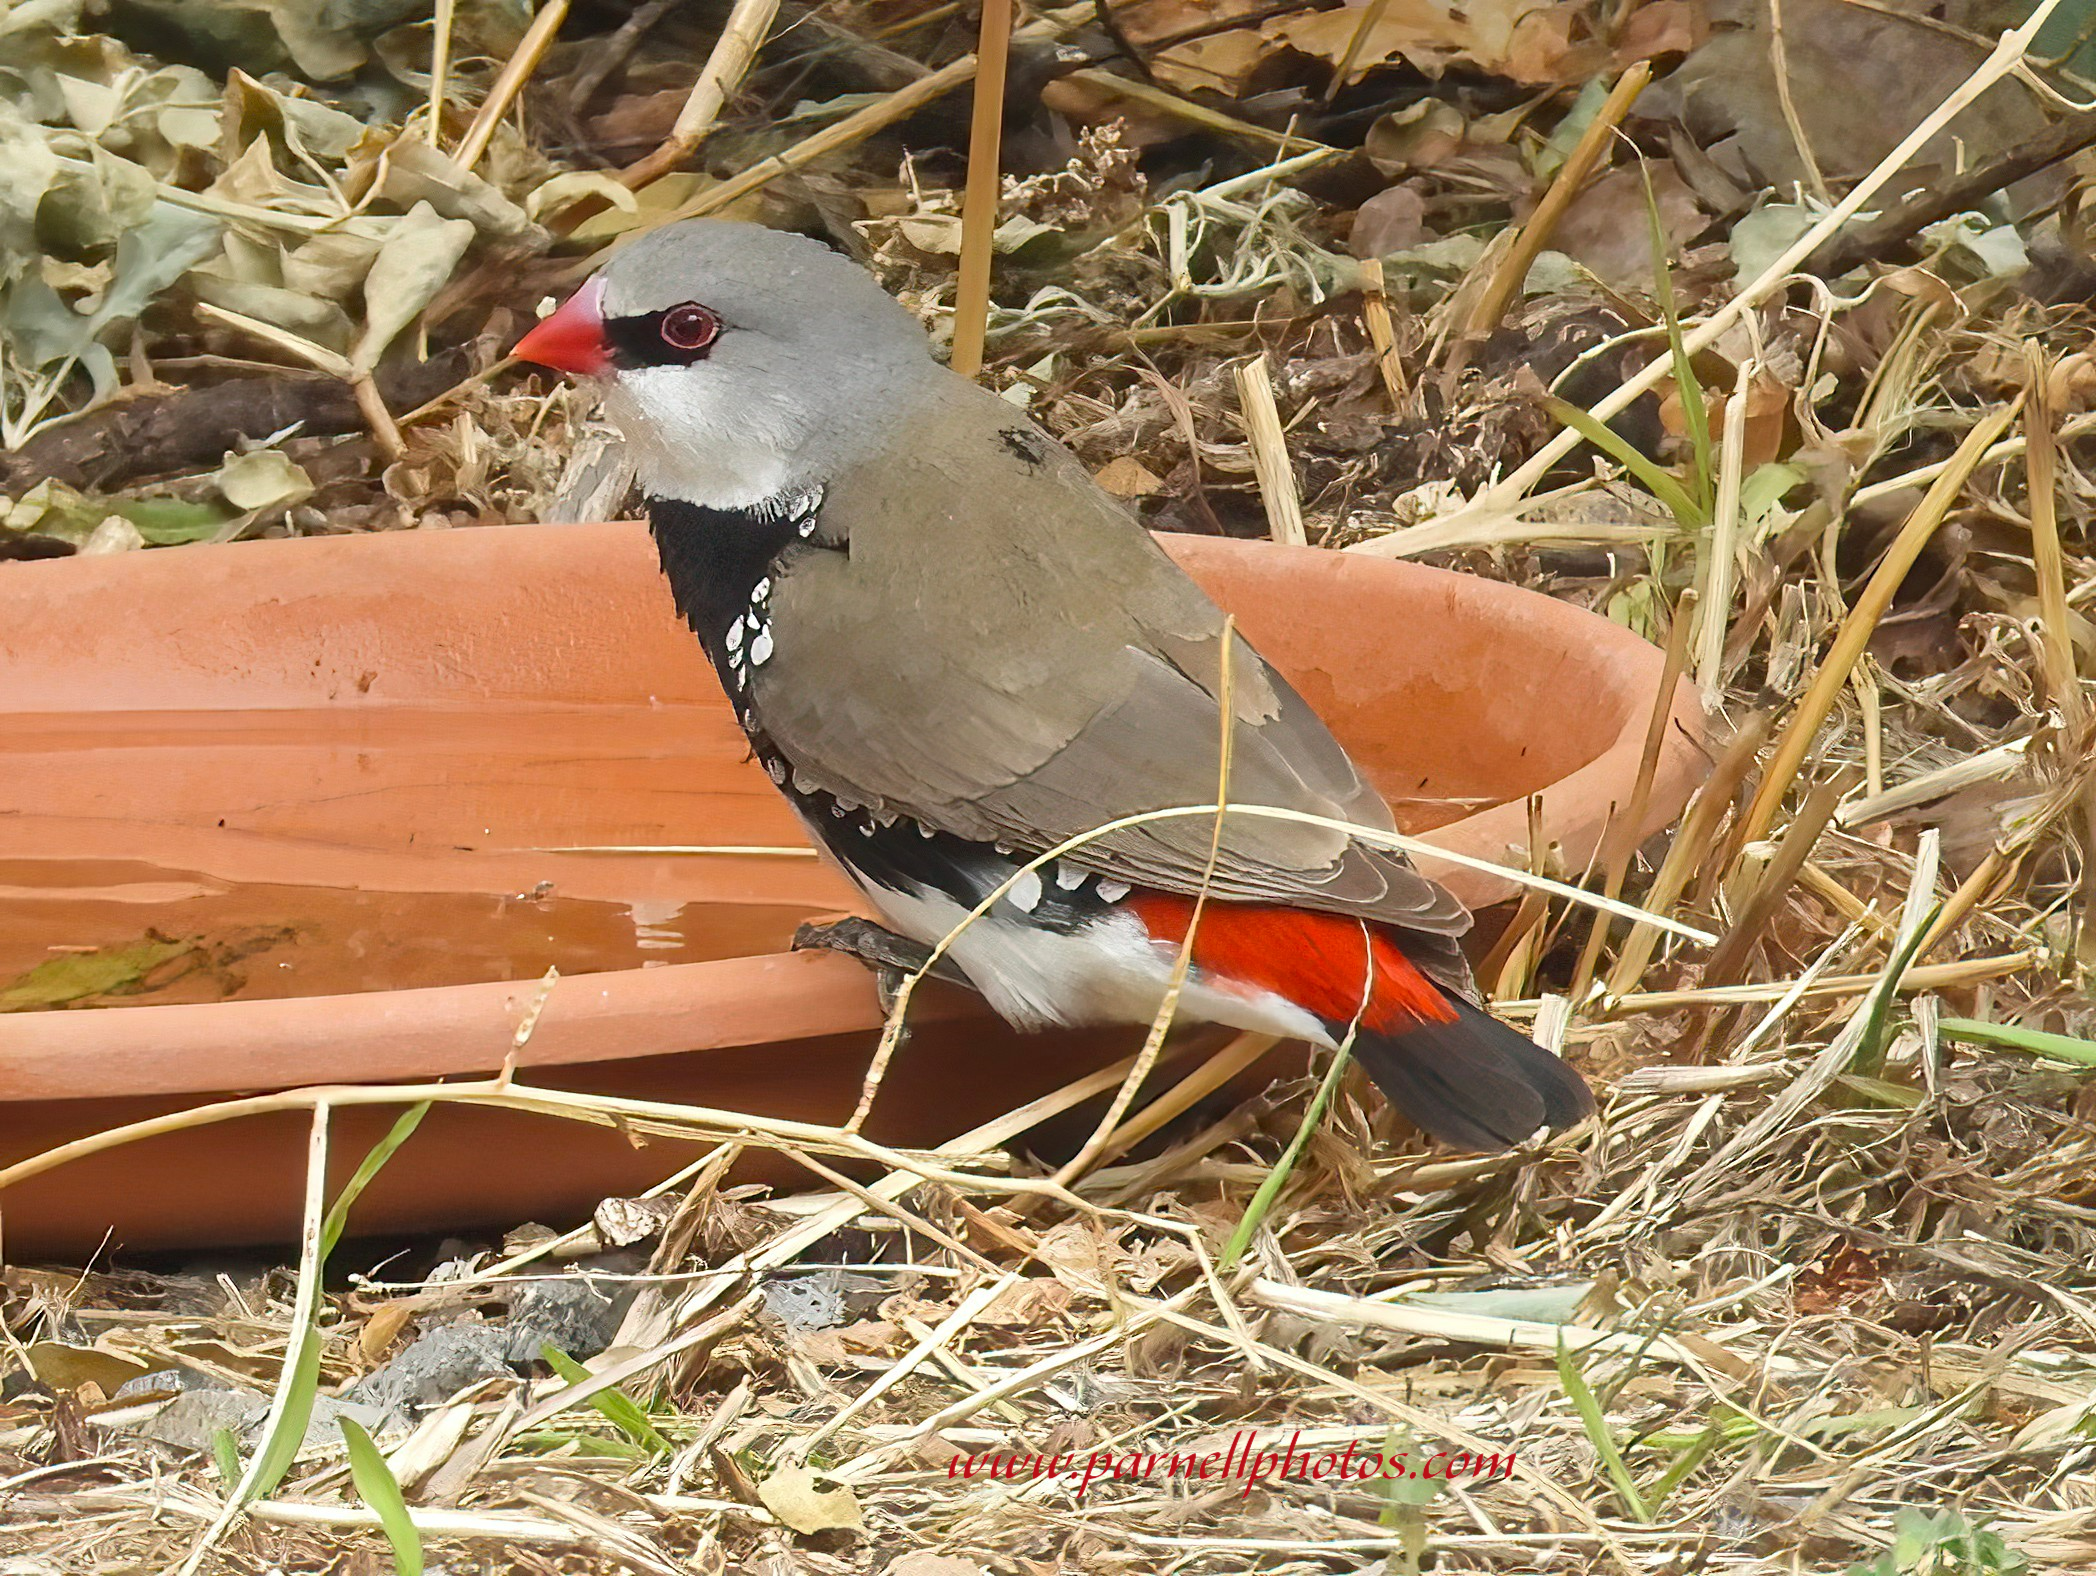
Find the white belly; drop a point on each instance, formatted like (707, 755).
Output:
(1107, 972)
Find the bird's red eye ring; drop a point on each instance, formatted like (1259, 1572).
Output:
(690, 327)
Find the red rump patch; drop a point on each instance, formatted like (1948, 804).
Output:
(1314, 960)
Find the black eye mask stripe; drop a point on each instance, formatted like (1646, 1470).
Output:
(638, 342)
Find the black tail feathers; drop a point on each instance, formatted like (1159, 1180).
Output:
(1473, 1083)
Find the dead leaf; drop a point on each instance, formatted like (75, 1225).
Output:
(1860, 79)
(1417, 137)
(791, 1495)
(1512, 38)
(1662, 27)
(621, 1222)
(1125, 476)
(383, 1328)
(79, 975)
(263, 479)
(1393, 220)
(1608, 228)
(414, 264)
(922, 1564)
(63, 1368)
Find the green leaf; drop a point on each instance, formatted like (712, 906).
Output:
(1654, 476)
(1870, 1045)
(414, 264)
(288, 1437)
(623, 1412)
(381, 1152)
(79, 975)
(1695, 414)
(2057, 1047)
(302, 1382)
(1269, 1189)
(1765, 488)
(1683, 1464)
(263, 479)
(1596, 1425)
(225, 1456)
(380, 1490)
(169, 522)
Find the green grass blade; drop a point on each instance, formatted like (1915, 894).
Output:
(1649, 472)
(623, 1412)
(380, 1490)
(1683, 1464)
(1604, 1442)
(1869, 1059)
(288, 1436)
(1276, 1179)
(2057, 1047)
(381, 1152)
(285, 1440)
(225, 1455)
(1695, 414)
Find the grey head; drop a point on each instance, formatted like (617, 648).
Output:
(745, 366)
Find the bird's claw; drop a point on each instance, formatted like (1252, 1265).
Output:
(893, 958)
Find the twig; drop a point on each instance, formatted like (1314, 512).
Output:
(516, 71)
(1619, 843)
(2041, 472)
(1269, 445)
(1862, 620)
(613, 52)
(1204, 1080)
(733, 53)
(1779, 60)
(1186, 109)
(834, 138)
(1506, 282)
(1721, 552)
(1728, 961)
(1884, 236)
(1343, 73)
(1382, 337)
(439, 69)
(1705, 811)
(971, 299)
(1110, 25)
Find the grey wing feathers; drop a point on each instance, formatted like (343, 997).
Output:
(1078, 684)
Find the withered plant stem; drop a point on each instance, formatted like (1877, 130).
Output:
(971, 297)
(1862, 621)
(516, 71)
(1728, 963)
(1691, 842)
(1505, 286)
(1269, 445)
(734, 52)
(1620, 841)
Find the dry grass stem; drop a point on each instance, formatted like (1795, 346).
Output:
(971, 302)
(1269, 445)
(734, 52)
(1534, 235)
(509, 82)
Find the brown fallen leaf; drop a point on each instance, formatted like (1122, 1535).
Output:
(922, 1564)
(1125, 476)
(1510, 38)
(791, 1495)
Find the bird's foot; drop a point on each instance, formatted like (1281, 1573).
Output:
(892, 957)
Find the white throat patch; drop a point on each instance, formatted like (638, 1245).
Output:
(693, 436)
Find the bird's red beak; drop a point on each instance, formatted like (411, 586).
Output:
(572, 339)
